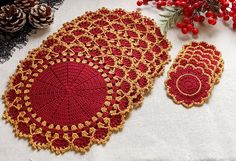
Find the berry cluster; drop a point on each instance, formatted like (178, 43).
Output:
(198, 11)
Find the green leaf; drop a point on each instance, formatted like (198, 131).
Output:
(169, 18)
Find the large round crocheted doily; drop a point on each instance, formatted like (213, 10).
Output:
(81, 83)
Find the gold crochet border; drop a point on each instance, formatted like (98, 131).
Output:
(39, 131)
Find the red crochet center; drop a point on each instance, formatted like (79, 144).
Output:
(188, 84)
(68, 93)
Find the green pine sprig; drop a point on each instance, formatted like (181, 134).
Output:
(170, 16)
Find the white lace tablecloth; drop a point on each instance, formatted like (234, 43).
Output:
(160, 129)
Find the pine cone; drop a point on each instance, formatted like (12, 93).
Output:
(41, 16)
(12, 19)
(26, 5)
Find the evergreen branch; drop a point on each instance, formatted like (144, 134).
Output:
(169, 17)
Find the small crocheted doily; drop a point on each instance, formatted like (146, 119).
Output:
(195, 71)
(81, 83)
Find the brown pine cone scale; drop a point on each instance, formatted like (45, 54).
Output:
(12, 19)
(41, 16)
(26, 5)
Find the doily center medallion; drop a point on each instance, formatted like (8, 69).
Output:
(68, 93)
(188, 84)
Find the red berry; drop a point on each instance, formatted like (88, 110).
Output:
(182, 4)
(158, 5)
(190, 27)
(139, 3)
(145, 2)
(220, 14)
(195, 31)
(226, 17)
(226, 4)
(177, 3)
(186, 20)
(209, 14)
(196, 5)
(201, 19)
(231, 13)
(196, 18)
(179, 25)
(184, 30)
(234, 18)
(188, 12)
(163, 3)
(212, 21)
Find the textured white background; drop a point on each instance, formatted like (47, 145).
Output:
(160, 130)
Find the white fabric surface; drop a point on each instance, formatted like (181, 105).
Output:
(160, 129)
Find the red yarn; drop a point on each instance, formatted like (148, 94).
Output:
(68, 93)
(24, 128)
(40, 139)
(82, 142)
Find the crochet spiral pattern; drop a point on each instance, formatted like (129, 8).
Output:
(81, 83)
(195, 71)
